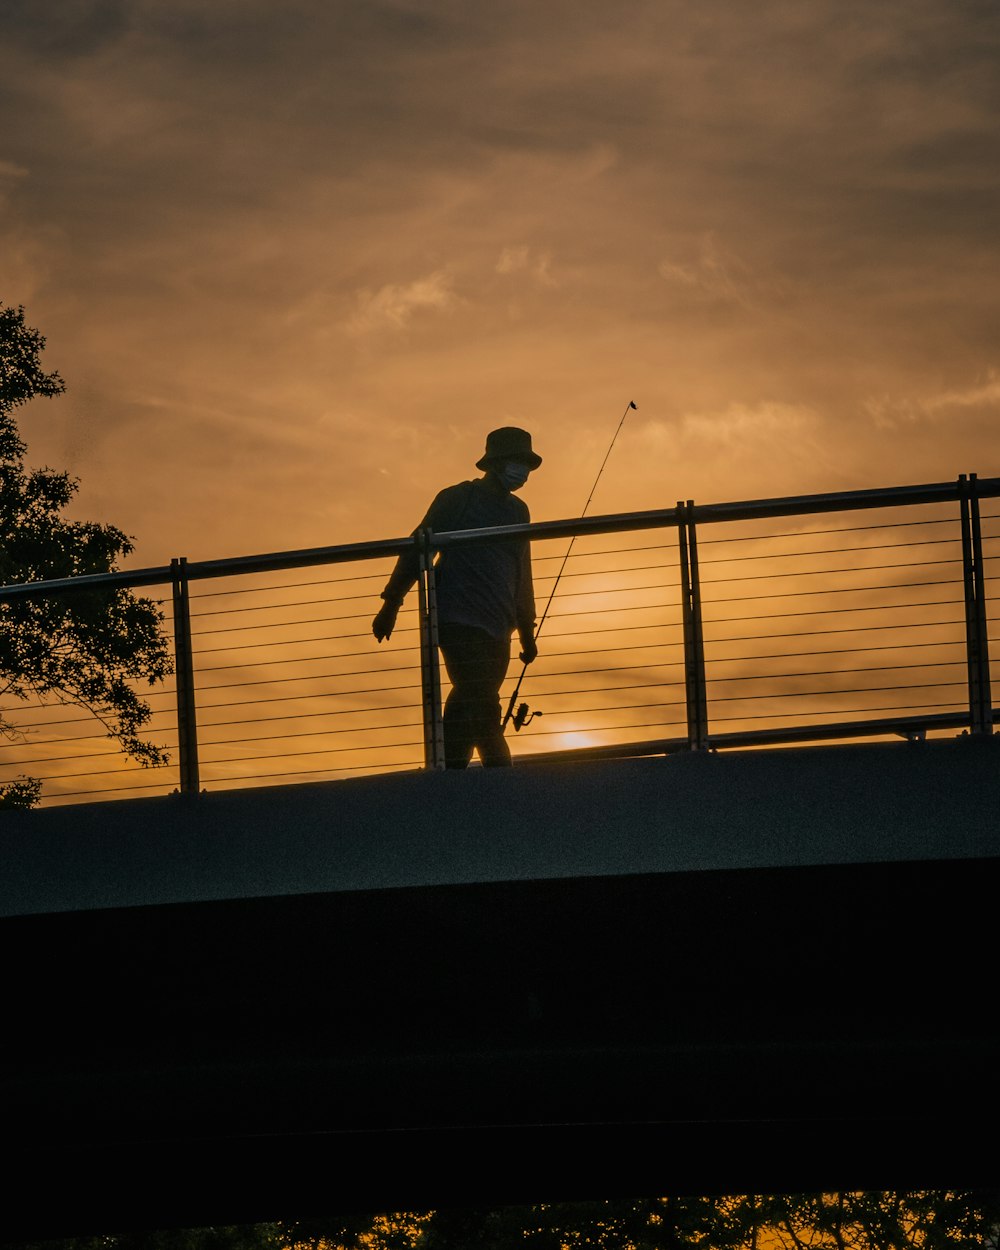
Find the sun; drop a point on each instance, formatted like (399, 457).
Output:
(574, 741)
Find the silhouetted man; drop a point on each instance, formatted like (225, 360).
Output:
(484, 593)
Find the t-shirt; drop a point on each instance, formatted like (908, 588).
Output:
(486, 585)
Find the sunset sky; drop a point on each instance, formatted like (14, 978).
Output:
(295, 259)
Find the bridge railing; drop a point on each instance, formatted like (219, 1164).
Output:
(818, 618)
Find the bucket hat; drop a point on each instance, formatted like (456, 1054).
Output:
(508, 443)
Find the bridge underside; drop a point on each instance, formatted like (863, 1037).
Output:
(799, 1020)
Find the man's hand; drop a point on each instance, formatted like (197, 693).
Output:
(529, 649)
(385, 621)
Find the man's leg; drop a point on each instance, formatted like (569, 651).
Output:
(460, 657)
(492, 745)
(476, 664)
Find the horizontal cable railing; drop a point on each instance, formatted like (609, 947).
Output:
(836, 623)
(812, 619)
(71, 752)
(611, 651)
(291, 686)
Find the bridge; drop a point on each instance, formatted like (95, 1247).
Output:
(695, 963)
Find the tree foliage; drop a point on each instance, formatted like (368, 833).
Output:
(869, 1220)
(920, 1220)
(86, 648)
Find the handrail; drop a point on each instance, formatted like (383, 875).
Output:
(834, 501)
(233, 566)
(842, 501)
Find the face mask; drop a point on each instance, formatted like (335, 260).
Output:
(514, 475)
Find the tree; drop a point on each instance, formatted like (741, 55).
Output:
(867, 1220)
(84, 648)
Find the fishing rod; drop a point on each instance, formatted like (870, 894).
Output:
(522, 716)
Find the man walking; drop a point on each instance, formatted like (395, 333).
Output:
(484, 593)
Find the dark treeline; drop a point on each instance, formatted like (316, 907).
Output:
(928, 1219)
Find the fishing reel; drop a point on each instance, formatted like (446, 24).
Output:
(522, 717)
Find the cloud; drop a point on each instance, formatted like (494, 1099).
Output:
(394, 306)
(512, 260)
(889, 412)
(987, 392)
(739, 434)
(761, 425)
(11, 170)
(718, 273)
(11, 174)
(521, 259)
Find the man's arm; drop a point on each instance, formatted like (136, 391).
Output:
(400, 581)
(525, 606)
(440, 516)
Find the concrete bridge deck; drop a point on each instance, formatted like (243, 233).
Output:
(758, 971)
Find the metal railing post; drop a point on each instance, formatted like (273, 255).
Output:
(983, 630)
(187, 719)
(430, 669)
(694, 647)
(976, 627)
(697, 635)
